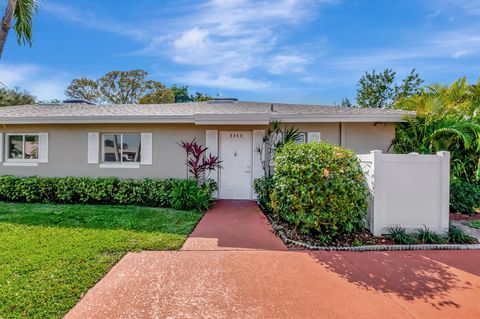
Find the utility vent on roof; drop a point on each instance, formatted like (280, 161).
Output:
(78, 101)
(223, 100)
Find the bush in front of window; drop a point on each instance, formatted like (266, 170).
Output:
(320, 189)
(105, 190)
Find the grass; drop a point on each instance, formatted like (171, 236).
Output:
(50, 255)
(475, 224)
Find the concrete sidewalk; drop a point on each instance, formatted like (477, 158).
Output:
(233, 266)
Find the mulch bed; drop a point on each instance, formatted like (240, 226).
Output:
(458, 216)
(355, 240)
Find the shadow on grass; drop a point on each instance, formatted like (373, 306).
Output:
(132, 218)
(410, 276)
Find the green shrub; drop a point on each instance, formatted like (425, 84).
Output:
(457, 236)
(464, 197)
(105, 190)
(263, 187)
(400, 236)
(319, 188)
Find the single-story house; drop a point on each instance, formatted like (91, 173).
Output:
(134, 141)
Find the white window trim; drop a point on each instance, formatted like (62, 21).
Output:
(23, 164)
(120, 164)
(18, 161)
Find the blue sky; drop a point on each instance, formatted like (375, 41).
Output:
(278, 51)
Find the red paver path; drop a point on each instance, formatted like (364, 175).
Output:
(226, 282)
(234, 225)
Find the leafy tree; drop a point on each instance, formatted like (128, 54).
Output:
(346, 102)
(410, 86)
(159, 96)
(84, 88)
(181, 93)
(22, 11)
(117, 87)
(10, 97)
(126, 87)
(379, 90)
(200, 97)
(448, 118)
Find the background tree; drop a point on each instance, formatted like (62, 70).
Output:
(129, 87)
(84, 88)
(346, 102)
(16, 96)
(379, 90)
(22, 11)
(181, 93)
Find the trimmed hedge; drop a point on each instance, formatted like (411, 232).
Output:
(320, 189)
(103, 190)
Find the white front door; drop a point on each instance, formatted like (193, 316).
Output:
(236, 157)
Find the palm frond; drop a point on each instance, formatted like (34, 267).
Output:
(25, 10)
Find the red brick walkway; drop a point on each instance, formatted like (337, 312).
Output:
(241, 271)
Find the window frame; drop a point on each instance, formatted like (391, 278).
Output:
(121, 162)
(21, 160)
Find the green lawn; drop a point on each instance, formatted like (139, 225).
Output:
(50, 255)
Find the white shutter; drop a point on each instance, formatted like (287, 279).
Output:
(211, 142)
(146, 148)
(43, 147)
(2, 147)
(258, 157)
(93, 147)
(313, 137)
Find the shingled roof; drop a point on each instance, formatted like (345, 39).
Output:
(212, 112)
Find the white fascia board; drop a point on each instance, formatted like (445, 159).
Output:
(97, 119)
(336, 118)
(232, 119)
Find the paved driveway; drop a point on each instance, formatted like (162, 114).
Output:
(216, 277)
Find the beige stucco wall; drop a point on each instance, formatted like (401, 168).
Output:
(68, 145)
(365, 137)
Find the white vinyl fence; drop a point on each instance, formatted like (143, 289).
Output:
(408, 190)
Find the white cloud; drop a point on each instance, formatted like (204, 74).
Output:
(227, 39)
(224, 38)
(288, 63)
(42, 82)
(213, 80)
(88, 19)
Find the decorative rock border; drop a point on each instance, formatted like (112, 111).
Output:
(278, 230)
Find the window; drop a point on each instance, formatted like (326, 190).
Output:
(302, 138)
(121, 148)
(22, 146)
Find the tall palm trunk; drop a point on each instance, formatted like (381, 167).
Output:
(6, 23)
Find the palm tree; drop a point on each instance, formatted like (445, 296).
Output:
(448, 118)
(22, 11)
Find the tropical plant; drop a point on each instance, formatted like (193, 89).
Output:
(197, 161)
(274, 138)
(426, 236)
(187, 194)
(448, 118)
(400, 236)
(457, 236)
(22, 11)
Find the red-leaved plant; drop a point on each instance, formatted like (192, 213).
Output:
(197, 161)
